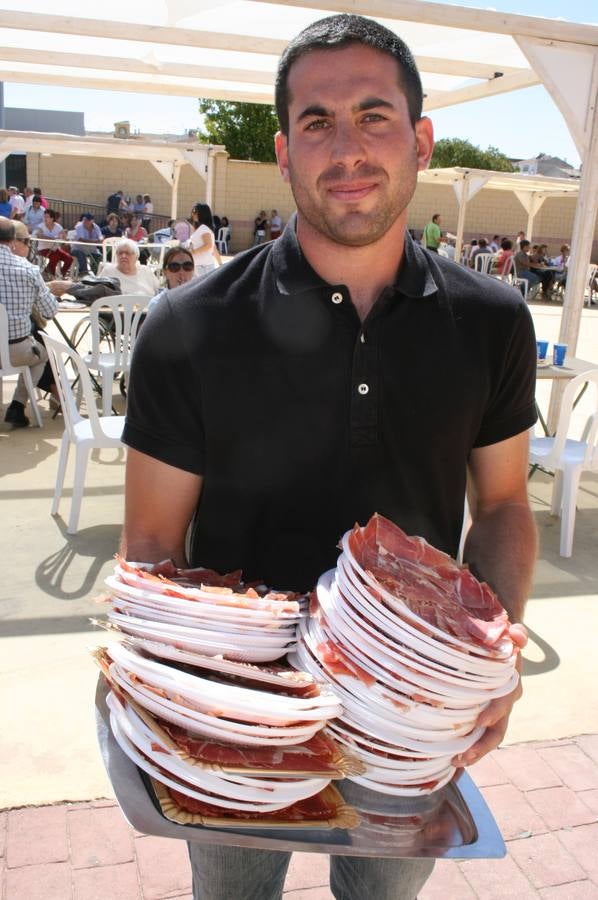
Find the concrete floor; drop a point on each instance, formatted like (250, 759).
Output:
(47, 677)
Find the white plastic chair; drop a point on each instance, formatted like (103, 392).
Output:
(483, 262)
(568, 457)
(85, 434)
(108, 246)
(126, 311)
(222, 239)
(592, 270)
(6, 367)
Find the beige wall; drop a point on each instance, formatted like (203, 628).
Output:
(242, 189)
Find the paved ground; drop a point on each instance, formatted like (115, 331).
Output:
(542, 788)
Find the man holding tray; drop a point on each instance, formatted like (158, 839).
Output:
(335, 372)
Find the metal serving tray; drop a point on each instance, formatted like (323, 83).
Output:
(453, 822)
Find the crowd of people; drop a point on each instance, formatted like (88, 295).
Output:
(530, 263)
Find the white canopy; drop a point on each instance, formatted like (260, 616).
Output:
(228, 50)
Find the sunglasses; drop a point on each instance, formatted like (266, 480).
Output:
(176, 267)
(25, 241)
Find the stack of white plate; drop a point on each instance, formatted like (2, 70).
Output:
(236, 623)
(219, 711)
(411, 691)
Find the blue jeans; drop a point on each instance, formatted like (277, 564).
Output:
(81, 257)
(237, 873)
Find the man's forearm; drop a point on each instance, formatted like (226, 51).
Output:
(501, 549)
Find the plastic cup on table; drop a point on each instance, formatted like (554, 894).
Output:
(542, 347)
(559, 353)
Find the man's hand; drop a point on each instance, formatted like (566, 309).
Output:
(58, 288)
(495, 717)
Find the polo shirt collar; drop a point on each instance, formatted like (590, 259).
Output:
(294, 274)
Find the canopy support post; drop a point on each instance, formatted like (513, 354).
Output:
(465, 190)
(174, 196)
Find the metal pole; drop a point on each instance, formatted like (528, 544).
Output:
(2, 126)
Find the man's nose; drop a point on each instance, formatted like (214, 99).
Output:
(347, 145)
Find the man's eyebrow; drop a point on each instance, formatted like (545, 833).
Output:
(321, 111)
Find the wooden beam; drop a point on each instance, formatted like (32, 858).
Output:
(116, 64)
(524, 78)
(448, 16)
(176, 89)
(136, 31)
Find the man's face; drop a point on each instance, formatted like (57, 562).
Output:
(126, 261)
(351, 155)
(88, 223)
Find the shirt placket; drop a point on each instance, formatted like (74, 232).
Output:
(365, 386)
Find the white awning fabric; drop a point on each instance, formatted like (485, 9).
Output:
(228, 50)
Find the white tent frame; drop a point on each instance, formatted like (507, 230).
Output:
(504, 52)
(167, 158)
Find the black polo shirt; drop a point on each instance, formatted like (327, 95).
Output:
(303, 420)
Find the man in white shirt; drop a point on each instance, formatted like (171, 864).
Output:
(16, 202)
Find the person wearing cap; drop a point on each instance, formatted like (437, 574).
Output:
(86, 232)
(17, 204)
(22, 290)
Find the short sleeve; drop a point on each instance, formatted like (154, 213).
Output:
(164, 417)
(512, 406)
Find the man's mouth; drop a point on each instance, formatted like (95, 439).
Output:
(351, 191)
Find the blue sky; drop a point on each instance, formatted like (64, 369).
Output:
(521, 124)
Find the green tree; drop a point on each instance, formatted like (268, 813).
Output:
(246, 129)
(456, 152)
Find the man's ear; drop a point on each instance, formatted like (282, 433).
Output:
(424, 136)
(281, 143)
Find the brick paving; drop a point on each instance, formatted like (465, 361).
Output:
(543, 795)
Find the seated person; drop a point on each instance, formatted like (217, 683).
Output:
(136, 232)
(502, 262)
(34, 216)
(163, 235)
(538, 263)
(86, 232)
(562, 261)
(182, 230)
(178, 268)
(522, 265)
(112, 228)
(133, 278)
(23, 291)
(481, 247)
(53, 231)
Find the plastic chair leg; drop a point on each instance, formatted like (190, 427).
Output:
(82, 455)
(570, 486)
(62, 461)
(557, 494)
(107, 382)
(32, 398)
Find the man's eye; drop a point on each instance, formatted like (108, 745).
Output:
(317, 125)
(374, 117)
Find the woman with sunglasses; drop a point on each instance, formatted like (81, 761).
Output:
(178, 268)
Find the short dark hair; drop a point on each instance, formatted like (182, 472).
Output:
(506, 244)
(336, 32)
(482, 242)
(54, 215)
(7, 230)
(36, 198)
(435, 216)
(523, 244)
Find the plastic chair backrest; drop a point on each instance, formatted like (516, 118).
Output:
(5, 364)
(483, 262)
(107, 244)
(590, 431)
(59, 354)
(223, 237)
(126, 310)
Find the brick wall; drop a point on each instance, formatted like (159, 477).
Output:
(242, 189)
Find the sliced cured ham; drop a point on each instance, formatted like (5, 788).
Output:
(433, 585)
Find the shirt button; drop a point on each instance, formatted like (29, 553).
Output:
(363, 389)
(362, 338)
(337, 298)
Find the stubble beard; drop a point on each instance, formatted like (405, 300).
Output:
(354, 227)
